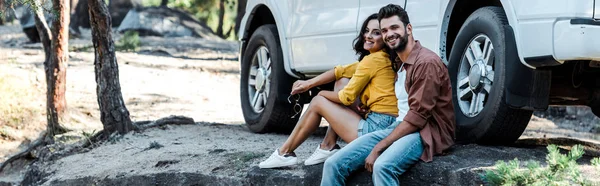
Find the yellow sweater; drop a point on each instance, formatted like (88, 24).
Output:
(372, 78)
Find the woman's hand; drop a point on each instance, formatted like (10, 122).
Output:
(359, 108)
(300, 86)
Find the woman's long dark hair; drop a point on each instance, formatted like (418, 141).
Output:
(359, 42)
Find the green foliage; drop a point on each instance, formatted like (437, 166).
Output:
(201, 9)
(596, 163)
(561, 170)
(206, 11)
(129, 42)
(150, 3)
(33, 4)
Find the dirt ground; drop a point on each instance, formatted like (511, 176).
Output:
(184, 76)
(201, 85)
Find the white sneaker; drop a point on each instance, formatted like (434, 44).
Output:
(276, 160)
(320, 155)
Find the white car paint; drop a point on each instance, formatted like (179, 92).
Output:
(597, 9)
(279, 10)
(317, 35)
(322, 33)
(536, 24)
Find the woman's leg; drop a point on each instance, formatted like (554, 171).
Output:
(331, 137)
(345, 126)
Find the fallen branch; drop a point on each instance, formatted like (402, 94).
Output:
(590, 148)
(171, 120)
(140, 126)
(40, 142)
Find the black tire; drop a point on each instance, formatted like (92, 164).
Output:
(596, 111)
(497, 122)
(277, 113)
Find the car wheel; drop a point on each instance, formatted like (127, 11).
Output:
(596, 111)
(478, 74)
(265, 85)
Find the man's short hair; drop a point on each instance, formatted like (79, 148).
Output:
(393, 10)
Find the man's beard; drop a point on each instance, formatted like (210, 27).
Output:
(401, 43)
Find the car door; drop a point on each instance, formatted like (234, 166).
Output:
(321, 34)
(368, 7)
(424, 17)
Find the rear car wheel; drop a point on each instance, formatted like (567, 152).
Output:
(264, 84)
(477, 70)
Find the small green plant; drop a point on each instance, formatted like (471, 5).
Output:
(4, 134)
(88, 136)
(129, 42)
(153, 145)
(561, 170)
(596, 163)
(241, 159)
(12, 60)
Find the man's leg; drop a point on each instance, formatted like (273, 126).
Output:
(350, 158)
(396, 159)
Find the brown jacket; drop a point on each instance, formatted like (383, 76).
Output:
(429, 100)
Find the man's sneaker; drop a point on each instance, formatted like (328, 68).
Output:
(276, 160)
(320, 155)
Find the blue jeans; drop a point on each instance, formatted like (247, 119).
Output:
(374, 122)
(394, 161)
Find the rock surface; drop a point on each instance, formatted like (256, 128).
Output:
(163, 21)
(216, 154)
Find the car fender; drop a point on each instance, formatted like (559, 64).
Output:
(277, 9)
(510, 15)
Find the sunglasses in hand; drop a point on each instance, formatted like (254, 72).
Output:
(297, 106)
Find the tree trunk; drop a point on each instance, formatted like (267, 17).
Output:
(2, 12)
(56, 68)
(43, 31)
(241, 10)
(113, 113)
(164, 2)
(221, 18)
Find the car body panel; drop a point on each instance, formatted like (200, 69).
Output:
(278, 10)
(322, 32)
(317, 35)
(536, 20)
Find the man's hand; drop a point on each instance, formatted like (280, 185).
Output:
(300, 86)
(370, 161)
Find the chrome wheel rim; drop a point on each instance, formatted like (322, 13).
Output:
(475, 75)
(259, 79)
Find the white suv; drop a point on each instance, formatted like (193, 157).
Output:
(506, 58)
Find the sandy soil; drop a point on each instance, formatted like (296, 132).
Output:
(202, 85)
(198, 79)
(201, 148)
